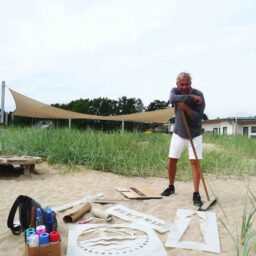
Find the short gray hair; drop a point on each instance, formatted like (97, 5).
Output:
(180, 75)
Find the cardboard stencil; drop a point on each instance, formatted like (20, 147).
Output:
(114, 240)
(127, 214)
(208, 226)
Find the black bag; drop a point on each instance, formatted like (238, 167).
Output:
(26, 206)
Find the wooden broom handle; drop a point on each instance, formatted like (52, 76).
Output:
(194, 150)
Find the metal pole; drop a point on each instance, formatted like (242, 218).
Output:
(236, 124)
(6, 118)
(122, 131)
(69, 123)
(2, 102)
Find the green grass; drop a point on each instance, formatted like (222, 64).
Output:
(130, 153)
(233, 155)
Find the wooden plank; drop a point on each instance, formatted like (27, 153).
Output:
(138, 193)
(77, 202)
(26, 162)
(22, 159)
(147, 192)
(3, 161)
(117, 201)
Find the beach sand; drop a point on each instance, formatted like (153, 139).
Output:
(48, 187)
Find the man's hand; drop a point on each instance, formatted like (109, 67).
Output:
(197, 99)
(181, 105)
(185, 107)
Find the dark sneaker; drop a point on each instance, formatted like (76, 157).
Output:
(170, 190)
(197, 199)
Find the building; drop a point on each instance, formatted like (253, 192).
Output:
(231, 126)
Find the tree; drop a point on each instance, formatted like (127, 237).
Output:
(80, 106)
(157, 104)
(62, 106)
(130, 105)
(103, 107)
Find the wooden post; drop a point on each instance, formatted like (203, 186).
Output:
(26, 169)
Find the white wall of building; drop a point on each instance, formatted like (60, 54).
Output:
(221, 127)
(230, 128)
(250, 127)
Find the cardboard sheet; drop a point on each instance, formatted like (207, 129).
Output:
(127, 214)
(114, 240)
(209, 229)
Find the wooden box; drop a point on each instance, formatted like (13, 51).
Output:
(48, 250)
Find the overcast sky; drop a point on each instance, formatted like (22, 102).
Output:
(56, 51)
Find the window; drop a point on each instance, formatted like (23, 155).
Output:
(253, 129)
(225, 130)
(215, 130)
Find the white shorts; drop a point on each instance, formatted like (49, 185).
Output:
(178, 144)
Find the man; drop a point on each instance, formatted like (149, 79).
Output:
(191, 101)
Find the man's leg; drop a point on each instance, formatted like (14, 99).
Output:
(195, 168)
(176, 147)
(196, 179)
(172, 167)
(195, 174)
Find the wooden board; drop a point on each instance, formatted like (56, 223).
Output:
(20, 160)
(25, 162)
(117, 201)
(138, 193)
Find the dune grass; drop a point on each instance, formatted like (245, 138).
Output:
(130, 153)
(244, 240)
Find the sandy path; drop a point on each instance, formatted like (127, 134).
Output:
(50, 188)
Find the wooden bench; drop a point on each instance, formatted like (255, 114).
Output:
(27, 163)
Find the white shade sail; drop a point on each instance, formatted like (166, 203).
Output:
(28, 107)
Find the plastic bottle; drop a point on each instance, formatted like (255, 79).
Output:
(39, 219)
(49, 220)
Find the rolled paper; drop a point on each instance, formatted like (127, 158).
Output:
(72, 217)
(101, 214)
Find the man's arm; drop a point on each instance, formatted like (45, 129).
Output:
(197, 99)
(176, 97)
(194, 115)
(187, 98)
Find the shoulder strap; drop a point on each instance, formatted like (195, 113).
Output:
(16, 230)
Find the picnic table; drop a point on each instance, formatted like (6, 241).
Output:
(27, 163)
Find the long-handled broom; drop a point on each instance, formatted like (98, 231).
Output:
(209, 202)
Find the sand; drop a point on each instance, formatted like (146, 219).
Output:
(48, 187)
